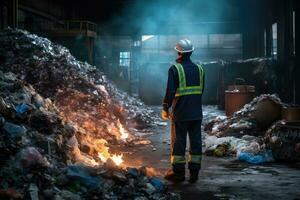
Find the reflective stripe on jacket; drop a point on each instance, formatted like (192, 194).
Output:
(183, 89)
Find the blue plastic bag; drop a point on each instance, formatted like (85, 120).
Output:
(133, 172)
(256, 159)
(81, 174)
(158, 184)
(22, 108)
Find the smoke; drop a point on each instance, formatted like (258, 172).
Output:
(174, 18)
(170, 16)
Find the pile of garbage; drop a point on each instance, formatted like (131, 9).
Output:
(58, 117)
(244, 133)
(255, 134)
(56, 74)
(250, 149)
(253, 119)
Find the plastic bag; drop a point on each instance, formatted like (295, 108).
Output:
(256, 159)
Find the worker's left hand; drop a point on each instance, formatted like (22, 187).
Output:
(164, 115)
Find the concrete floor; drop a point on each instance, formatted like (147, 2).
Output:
(220, 178)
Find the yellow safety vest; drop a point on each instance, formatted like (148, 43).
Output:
(183, 90)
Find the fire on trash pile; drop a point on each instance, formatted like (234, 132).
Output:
(58, 118)
(255, 133)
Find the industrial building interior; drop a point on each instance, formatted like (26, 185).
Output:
(82, 85)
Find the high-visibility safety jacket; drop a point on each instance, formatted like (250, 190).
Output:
(184, 107)
(183, 89)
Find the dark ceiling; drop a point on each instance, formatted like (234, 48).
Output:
(152, 16)
(204, 10)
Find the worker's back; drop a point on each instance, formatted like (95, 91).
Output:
(188, 107)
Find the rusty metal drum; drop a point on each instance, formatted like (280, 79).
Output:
(291, 113)
(237, 96)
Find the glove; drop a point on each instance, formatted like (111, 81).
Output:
(164, 115)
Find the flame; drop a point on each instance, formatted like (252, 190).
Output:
(92, 119)
(118, 159)
(123, 133)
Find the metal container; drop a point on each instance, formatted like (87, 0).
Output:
(291, 113)
(237, 96)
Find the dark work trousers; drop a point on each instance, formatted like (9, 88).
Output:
(179, 131)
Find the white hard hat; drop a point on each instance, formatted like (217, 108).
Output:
(184, 46)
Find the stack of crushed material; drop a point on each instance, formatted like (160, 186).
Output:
(47, 152)
(253, 119)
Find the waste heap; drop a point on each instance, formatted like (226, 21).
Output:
(256, 133)
(243, 134)
(56, 115)
(72, 85)
(283, 138)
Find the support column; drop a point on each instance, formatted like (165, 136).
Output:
(268, 28)
(253, 29)
(297, 48)
(269, 39)
(135, 64)
(90, 49)
(284, 51)
(1, 14)
(13, 13)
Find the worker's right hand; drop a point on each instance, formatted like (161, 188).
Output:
(165, 115)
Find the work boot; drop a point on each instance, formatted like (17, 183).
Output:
(194, 171)
(175, 177)
(194, 176)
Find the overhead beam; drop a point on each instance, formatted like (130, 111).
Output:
(38, 13)
(297, 51)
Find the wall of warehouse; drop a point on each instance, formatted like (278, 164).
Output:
(107, 58)
(42, 18)
(272, 32)
(35, 15)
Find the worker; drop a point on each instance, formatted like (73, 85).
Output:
(184, 96)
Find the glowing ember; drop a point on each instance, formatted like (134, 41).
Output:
(123, 133)
(118, 160)
(102, 157)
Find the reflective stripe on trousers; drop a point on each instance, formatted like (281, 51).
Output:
(181, 159)
(179, 131)
(177, 159)
(195, 159)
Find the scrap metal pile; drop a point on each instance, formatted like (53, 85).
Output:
(252, 133)
(58, 118)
